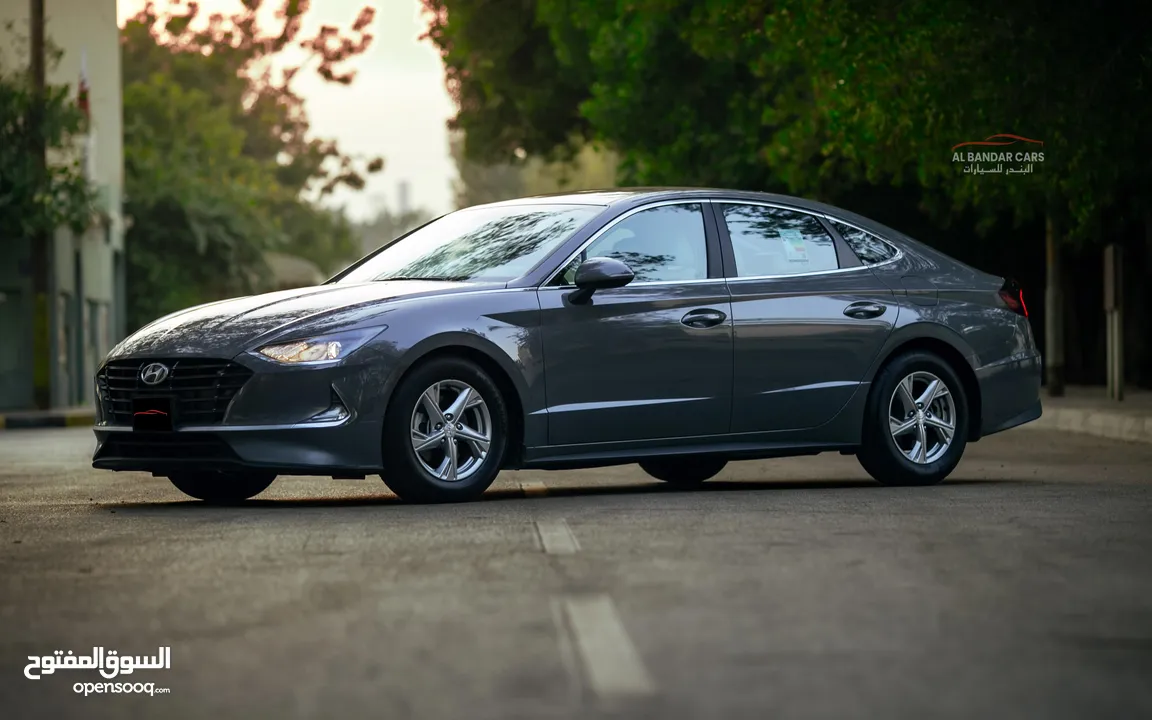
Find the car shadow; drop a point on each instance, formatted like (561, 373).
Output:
(517, 494)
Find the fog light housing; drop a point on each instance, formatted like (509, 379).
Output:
(336, 412)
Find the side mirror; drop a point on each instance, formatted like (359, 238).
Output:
(599, 273)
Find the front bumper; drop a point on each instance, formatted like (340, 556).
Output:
(352, 449)
(278, 420)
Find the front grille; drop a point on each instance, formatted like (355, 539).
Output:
(193, 446)
(200, 388)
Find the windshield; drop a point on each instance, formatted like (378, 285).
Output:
(480, 244)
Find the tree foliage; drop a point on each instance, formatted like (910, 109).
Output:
(589, 167)
(819, 97)
(36, 200)
(386, 226)
(889, 87)
(502, 70)
(200, 209)
(221, 164)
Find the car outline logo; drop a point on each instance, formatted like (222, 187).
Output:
(154, 373)
(999, 139)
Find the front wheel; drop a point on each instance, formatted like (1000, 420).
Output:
(916, 422)
(683, 471)
(445, 432)
(222, 487)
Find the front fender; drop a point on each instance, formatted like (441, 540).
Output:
(507, 335)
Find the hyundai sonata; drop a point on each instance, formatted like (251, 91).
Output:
(675, 328)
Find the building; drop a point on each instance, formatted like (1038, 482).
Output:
(87, 315)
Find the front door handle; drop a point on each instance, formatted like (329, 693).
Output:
(864, 310)
(703, 318)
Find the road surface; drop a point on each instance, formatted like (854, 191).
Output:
(786, 589)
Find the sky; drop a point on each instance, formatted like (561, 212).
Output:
(397, 107)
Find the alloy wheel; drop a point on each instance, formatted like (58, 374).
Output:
(451, 430)
(922, 417)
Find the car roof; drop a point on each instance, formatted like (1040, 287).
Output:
(628, 197)
(640, 195)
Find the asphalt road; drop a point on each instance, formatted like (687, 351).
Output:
(785, 589)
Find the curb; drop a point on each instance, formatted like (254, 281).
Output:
(69, 418)
(1105, 424)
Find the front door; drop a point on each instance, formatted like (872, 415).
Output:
(651, 360)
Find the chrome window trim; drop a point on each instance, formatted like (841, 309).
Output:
(621, 218)
(644, 283)
(899, 252)
(814, 273)
(729, 201)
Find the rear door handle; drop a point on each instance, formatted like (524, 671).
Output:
(864, 310)
(703, 318)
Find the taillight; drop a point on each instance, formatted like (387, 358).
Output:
(1013, 296)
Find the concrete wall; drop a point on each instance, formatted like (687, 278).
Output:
(88, 294)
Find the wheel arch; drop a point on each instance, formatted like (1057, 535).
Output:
(952, 349)
(489, 358)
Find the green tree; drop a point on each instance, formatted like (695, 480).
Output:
(35, 200)
(247, 175)
(480, 181)
(201, 209)
(43, 186)
(816, 96)
(241, 65)
(515, 94)
(828, 97)
(588, 167)
(387, 226)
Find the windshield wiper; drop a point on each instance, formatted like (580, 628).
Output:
(431, 278)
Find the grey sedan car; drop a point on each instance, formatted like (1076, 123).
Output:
(675, 328)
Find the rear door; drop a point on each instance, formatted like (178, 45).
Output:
(808, 316)
(651, 360)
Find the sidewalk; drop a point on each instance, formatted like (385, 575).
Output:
(1088, 410)
(62, 417)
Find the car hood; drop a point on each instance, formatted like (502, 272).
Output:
(229, 327)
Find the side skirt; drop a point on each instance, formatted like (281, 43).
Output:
(546, 458)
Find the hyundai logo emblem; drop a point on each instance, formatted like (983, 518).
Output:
(154, 373)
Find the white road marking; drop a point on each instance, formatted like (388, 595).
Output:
(556, 537)
(568, 657)
(611, 663)
(533, 488)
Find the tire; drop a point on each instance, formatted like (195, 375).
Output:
(220, 487)
(425, 477)
(889, 458)
(687, 471)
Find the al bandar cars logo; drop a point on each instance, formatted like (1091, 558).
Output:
(981, 162)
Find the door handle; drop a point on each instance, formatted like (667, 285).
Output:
(864, 310)
(703, 318)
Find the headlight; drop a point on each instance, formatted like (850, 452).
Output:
(320, 349)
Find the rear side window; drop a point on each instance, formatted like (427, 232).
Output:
(869, 248)
(774, 241)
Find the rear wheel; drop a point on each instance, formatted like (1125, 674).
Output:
(445, 433)
(916, 422)
(683, 471)
(222, 487)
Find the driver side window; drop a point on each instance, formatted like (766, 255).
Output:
(660, 244)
